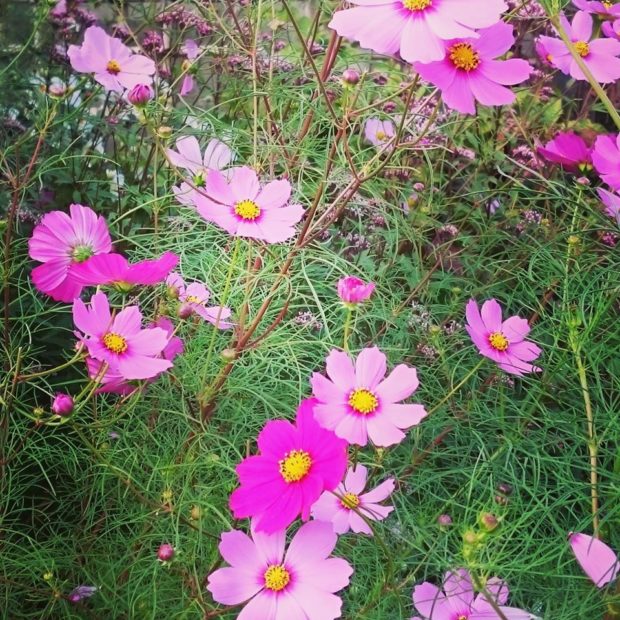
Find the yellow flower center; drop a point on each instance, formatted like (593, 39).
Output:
(350, 501)
(608, 5)
(193, 299)
(464, 56)
(115, 343)
(417, 5)
(583, 49)
(276, 578)
(381, 136)
(295, 465)
(113, 67)
(498, 341)
(462, 618)
(363, 401)
(247, 210)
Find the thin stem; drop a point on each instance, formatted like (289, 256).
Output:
(458, 386)
(347, 329)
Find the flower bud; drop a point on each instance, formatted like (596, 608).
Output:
(229, 355)
(353, 291)
(140, 95)
(165, 553)
(195, 513)
(164, 131)
(444, 521)
(488, 521)
(350, 76)
(185, 311)
(62, 404)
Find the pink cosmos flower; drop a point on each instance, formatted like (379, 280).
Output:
(113, 64)
(502, 341)
(599, 55)
(611, 29)
(470, 73)
(243, 209)
(63, 241)
(295, 465)
(415, 28)
(299, 583)
(606, 159)
(612, 204)
(341, 511)
(354, 291)
(192, 51)
(605, 10)
(194, 298)
(598, 561)
(378, 132)
(458, 601)
(569, 150)
(120, 341)
(359, 404)
(188, 156)
(115, 270)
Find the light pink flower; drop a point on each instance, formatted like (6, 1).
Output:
(354, 291)
(612, 204)
(502, 341)
(457, 600)
(415, 28)
(63, 241)
(599, 55)
(605, 10)
(598, 560)
(192, 51)
(293, 585)
(612, 29)
(569, 150)
(470, 73)
(243, 209)
(358, 403)
(115, 270)
(606, 159)
(188, 156)
(120, 341)
(378, 132)
(341, 511)
(113, 64)
(295, 465)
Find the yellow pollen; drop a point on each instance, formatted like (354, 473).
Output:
(381, 136)
(549, 57)
(350, 501)
(583, 49)
(363, 401)
(193, 299)
(295, 465)
(115, 343)
(608, 5)
(276, 578)
(247, 210)
(498, 341)
(417, 5)
(462, 618)
(464, 56)
(113, 67)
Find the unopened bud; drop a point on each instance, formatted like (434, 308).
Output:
(62, 405)
(350, 76)
(165, 553)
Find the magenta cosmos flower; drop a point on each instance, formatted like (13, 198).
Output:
(115, 270)
(599, 55)
(612, 204)
(415, 28)
(569, 150)
(470, 73)
(598, 561)
(120, 341)
(606, 10)
(379, 132)
(606, 158)
(113, 64)
(243, 209)
(342, 510)
(297, 462)
(457, 600)
(502, 341)
(299, 583)
(63, 241)
(354, 291)
(358, 403)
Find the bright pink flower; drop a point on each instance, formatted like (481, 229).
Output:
(599, 55)
(458, 600)
(63, 404)
(470, 73)
(502, 341)
(379, 132)
(415, 28)
(605, 10)
(295, 465)
(282, 586)
(115, 270)
(113, 64)
(612, 204)
(243, 209)
(359, 404)
(598, 561)
(353, 291)
(61, 242)
(120, 341)
(140, 95)
(606, 158)
(341, 511)
(194, 298)
(569, 150)
(165, 552)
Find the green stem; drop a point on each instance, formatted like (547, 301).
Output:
(50, 371)
(457, 387)
(347, 329)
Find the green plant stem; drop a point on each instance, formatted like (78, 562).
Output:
(347, 329)
(458, 386)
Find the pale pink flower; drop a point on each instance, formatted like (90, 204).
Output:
(192, 51)
(612, 204)
(342, 511)
(354, 291)
(110, 61)
(379, 132)
(606, 158)
(359, 403)
(281, 585)
(598, 561)
(415, 28)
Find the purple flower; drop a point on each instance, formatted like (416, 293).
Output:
(165, 553)
(140, 95)
(79, 593)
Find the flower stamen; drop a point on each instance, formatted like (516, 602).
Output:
(350, 501)
(247, 210)
(417, 5)
(276, 578)
(463, 56)
(115, 343)
(363, 401)
(498, 341)
(295, 465)
(582, 48)
(113, 67)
